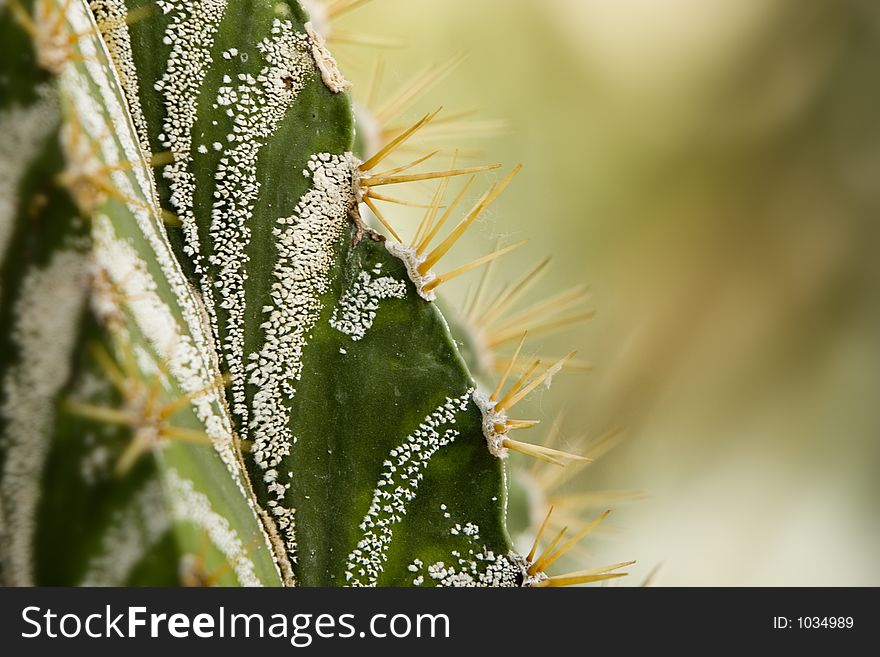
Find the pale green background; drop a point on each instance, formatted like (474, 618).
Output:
(711, 169)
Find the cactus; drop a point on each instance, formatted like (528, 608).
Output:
(269, 367)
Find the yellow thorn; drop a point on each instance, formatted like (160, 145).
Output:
(161, 159)
(138, 446)
(443, 278)
(376, 81)
(530, 450)
(540, 533)
(396, 201)
(214, 576)
(131, 17)
(510, 295)
(339, 37)
(465, 223)
(428, 219)
(381, 218)
(550, 440)
(23, 17)
(411, 165)
(504, 376)
(432, 232)
(169, 218)
(129, 361)
(595, 450)
(536, 565)
(380, 180)
(574, 365)
(586, 576)
(396, 142)
(549, 307)
(185, 435)
(597, 498)
(98, 413)
(653, 576)
(108, 365)
(606, 442)
(516, 386)
(173, 407)
(513, 425)
(554, 456)
(554, 305)
(550, 371)
(411, 91)
(574, 541)
(472, 304)
(339, 7)
(512, 328)
(448, 130)
(574, 580)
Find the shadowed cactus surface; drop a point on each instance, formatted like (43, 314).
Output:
(249, 384)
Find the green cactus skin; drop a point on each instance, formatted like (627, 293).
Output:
(97, 526)
(43, 291)
(371, 362)
(64, 518)
(211, 145)
(160, 316)
(44, 282)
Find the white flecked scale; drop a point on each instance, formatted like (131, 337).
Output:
(356, 310)
(403, 471)
(111, 15)
(258, 104)
(305, 243)
(186, 346)
(91, 86)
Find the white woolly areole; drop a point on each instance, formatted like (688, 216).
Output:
(330, 73)
(44, 330)
(190, 505)
(492, 418)
(528, 579)
(412, 260)
(402, 472)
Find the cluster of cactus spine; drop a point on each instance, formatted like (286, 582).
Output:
(214, 369)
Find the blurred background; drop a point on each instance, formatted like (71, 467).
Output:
(711, 170)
